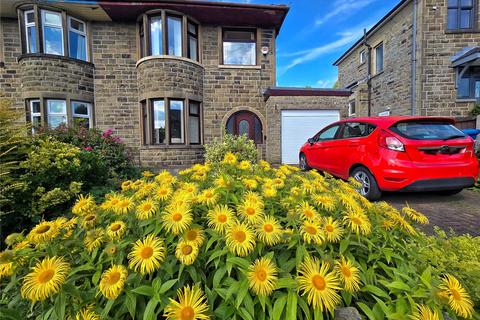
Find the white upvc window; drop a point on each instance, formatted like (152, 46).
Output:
(30, 31)
(52, 32)
(77, 39)
(362, 57)
(82, 114)
(351, 108)
(35, 114)
(56, 112)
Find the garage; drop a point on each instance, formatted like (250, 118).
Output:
(299, 125)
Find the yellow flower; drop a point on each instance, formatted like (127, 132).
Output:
(190, 188)
(264, 165)
(194, 235)
(254, 198)
(220, 217)
(307, 212)
(245, 165)
(348, 274)
(126, 185)
(319, 284)
(163, 193)
(86, 313)
(358, 222)
(296, 191)
(147, 174)
(123, 206)
(222, 182)
(327, 202)
(424, 313)
(209, 197)
(250, 183)
(312, 233)
(6, 263)
(116, 229)
(240, 239)
(147, 255)
(269, 192)
(269, 231)
(262, 276)
(136, 185)
(110, 202)
(42, 232)
(165, 178)
(458, 298)
(177, 219)
(145, 190)
(111, 249)
(250, 211)
(70, 224)
(415, 215)
(93, 239)
(146, 209)
(332, 229)
(349, 202)
(112, 281)
(278, 183)
(83, 205)
(229, 158)
(89, 221)
(186, 252)
(191, 305)
(45, 279)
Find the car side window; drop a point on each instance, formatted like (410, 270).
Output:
(356, 130)
(328, 133)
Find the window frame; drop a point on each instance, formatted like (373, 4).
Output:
(473, 77)
(26, 26)
(198, 116)
(191, 35)
(362, 57)
(43, 13)
(34, 114)
(254, 41)
(350, 113)
(84, 33)
(152, 122)
(473, 17)
(344, 125)
(48, 113)
(316, 138)
(76, 115)
(382, 45)
(182, 37)
(182, 119)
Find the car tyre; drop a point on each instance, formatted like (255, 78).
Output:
(369, 188)
(304, 163)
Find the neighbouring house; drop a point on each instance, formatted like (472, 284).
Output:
(167, 76)
(422, 58)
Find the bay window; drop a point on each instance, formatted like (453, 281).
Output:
(30, 31)
(168, 121)
(174, 36)
(81, 114)
(56, 112)
(52, 32)
(239, 47)
(77, 39)
(35, 114)
(192, 34)
(156, 37)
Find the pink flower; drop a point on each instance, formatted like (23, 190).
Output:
(88, 148)
(107, 133)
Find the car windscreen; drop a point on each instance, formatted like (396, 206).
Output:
(427, 130)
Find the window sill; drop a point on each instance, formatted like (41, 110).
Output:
(234, 66)
(171, 146)
(53, 56)
(378, 74)
(462, 31)
(167, 57)
(466, 100)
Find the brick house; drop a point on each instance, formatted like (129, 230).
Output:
(422, 58)
(166, 76)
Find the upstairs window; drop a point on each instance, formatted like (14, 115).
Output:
(239, 47)
(461, 15)
(174, 38)
(52, 32)
(192, 43)
(30, 31)
(362, 57)
(379, 58)
(156, 35)
(77, 39)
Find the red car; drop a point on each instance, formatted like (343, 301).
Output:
(394, 154)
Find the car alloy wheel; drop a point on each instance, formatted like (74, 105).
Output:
(363, 178)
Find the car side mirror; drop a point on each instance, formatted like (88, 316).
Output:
(310, 140)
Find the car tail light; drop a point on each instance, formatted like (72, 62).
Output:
(388, 141)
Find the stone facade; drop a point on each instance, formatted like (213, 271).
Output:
(391, 89)
(10, 84)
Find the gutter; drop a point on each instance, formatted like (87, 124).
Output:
(413, 80)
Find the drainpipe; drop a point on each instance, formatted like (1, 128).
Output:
(369, 72)
(414, 61)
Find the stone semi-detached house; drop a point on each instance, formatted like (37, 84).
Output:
(422, 58)
(166, 76)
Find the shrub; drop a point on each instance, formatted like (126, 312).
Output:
(243, 147)
(238, 241)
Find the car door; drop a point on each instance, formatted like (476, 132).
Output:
(320, 150)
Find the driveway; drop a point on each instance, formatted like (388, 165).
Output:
(461, 212)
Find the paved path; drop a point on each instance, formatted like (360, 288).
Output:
(461, 212)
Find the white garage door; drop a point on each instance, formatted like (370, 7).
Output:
(298, 126)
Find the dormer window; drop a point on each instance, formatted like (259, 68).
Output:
(168, 34)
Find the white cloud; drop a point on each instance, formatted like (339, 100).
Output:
(327, 83)
(343, 7)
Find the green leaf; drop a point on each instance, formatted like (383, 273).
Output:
(60, 304)
(399, 285)
(144, 290)
(150, 310)
(376, 291)
(287, 283)
(167, 285)
(107, 308)
(344, 245)
(131, 303)
(219, 274)
(242, 292)
(242, 263)
(366, 310)
(291, 305)
(278, 307)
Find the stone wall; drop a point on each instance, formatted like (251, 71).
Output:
(276, 104)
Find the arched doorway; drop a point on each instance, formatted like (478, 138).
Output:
(245, 122)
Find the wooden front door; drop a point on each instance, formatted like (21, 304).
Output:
(244, 123)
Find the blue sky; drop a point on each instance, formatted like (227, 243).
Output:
(316, 32)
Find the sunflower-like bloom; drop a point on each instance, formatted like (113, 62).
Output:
(244, 165)
(307, 212)
(326, 202)
(312, 232)
(269, 192)
(111, 249)
(191, 305)
(209, 197)
(176, 219)
(43, 232)
(186, 252)
(190, 188)
(162, 193)
(93, 239)
(254, 198)
(264, 165)
(402, 222)
(220, 217)
(349, 202)
(83, 205)
(332, 229)
(112, 281)
(250, 211)
(146, 209)
(278, 183)
(194, 235)
(240, 239)
(357, 222)
(147, 255)
(319, 284)
(229, 158)
(136, 185)
(222, 182)
(45, 279)
(250, 183)
(269, 231)
(262, 276)
(116, 229)
(458, 298)
(89, 220)
(70, 224)
(146, 190)
(415, 215)
(123, 206)
(165, 178)
(6, 263)
(110, 202)
(348, 274)
(126, 185)
(423, 312)
(86, 313)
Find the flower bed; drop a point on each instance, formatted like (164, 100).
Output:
(227, 241)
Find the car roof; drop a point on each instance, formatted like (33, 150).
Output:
(388, 121)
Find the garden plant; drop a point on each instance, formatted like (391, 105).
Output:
(226, 240)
